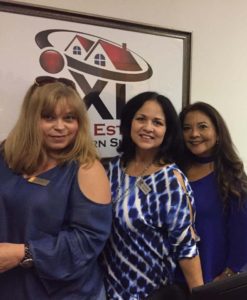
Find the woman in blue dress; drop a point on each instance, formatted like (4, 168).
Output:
(152, 217)
(219, 183)
(54, 216)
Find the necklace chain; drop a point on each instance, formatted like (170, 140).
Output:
(129, 189)
(143, 171)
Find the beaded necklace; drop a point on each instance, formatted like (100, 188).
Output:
(140, 183)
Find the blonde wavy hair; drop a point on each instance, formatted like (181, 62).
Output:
(24, 150)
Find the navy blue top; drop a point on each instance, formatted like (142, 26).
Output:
(65, 231)
(223, 233)
(150, 232)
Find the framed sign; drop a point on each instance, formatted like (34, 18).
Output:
(110, 61)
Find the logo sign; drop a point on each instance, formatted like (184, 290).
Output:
(96, 65)
(109, 60)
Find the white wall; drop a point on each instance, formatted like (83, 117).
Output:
(219, 46)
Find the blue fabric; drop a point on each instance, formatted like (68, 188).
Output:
(65, 231)
(223, 233)
(150, 232)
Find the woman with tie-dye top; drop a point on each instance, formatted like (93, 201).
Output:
(153, 217)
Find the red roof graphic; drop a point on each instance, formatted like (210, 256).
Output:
(121, 58)
(86, 43)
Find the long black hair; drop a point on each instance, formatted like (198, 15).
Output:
(171, 147)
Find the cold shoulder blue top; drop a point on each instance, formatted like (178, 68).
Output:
(65, 230)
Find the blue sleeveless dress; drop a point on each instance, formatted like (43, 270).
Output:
(223, 238)
(65, 230)
(223, 232)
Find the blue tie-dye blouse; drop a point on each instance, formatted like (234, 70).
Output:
(149, 234)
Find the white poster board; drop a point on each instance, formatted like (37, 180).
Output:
(110, 61)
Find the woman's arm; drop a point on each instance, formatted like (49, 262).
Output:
(186, 250)
(70, 254)
(74, 251)
(191, 268)
(237, 239)
(10, 256)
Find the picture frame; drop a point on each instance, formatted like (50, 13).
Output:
(111, 60)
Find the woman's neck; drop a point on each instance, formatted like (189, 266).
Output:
(46, 166)
(202, 159)
(198, 170)
(138, 167)
(144, 156)
(143, 164)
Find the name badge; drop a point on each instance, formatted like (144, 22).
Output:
(145, 188)
(39, 181)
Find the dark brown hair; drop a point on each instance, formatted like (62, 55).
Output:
(229, 167)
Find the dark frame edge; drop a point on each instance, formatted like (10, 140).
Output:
(71, 16)
(187, 70)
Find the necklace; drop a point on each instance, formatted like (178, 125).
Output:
(143, 171)
(140, 183)
(203, 159)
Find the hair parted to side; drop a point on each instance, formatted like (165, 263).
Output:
(229, 167)
(23, 148)
(171, 147)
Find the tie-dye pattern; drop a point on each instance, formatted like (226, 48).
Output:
(150, 232)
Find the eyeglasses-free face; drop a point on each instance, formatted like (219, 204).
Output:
(199, 133)
(59, 128)
(148, 127)
(42, 80)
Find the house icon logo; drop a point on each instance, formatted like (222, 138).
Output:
(90, 58)
(92, 55)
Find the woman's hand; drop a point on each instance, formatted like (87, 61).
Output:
(225, 274)
(10, 256)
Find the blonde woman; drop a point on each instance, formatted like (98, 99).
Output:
(54, 216)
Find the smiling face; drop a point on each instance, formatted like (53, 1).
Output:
(199, 133)
(148, 126)
(59, 128)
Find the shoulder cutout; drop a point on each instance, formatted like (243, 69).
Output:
(180, 179)
(94, 184)
(192, 216)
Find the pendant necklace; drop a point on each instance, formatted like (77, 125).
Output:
(140, 183)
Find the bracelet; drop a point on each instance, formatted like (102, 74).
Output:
(27, 261)
(228, 272)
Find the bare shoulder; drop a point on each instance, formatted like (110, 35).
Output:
(94, 183)
(179, 178)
